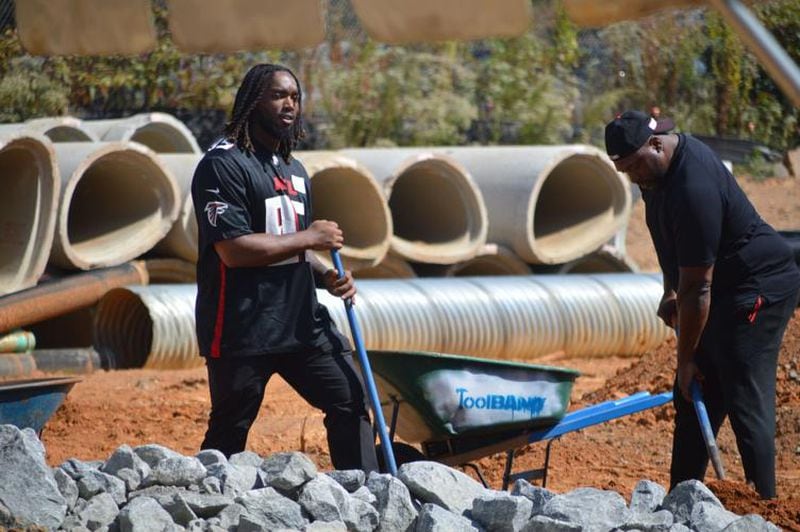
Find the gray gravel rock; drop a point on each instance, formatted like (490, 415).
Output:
(29, 491)
(591, 508)
(438, 484)
(208, 493)
(248, 458)
(434, 518)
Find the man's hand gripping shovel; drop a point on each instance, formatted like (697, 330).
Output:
(705, 424)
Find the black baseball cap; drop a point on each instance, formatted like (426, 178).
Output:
(629, 131)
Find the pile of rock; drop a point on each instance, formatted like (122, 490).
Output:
(152, 488)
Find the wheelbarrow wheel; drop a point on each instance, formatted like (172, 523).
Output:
(403, 454)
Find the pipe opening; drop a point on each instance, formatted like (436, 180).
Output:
(576, 202)
(123, 329)
(428, 205)
(68, 134)
(118, 202)
(345, 195)
(22, 194)
(27, 220)
(162, 137)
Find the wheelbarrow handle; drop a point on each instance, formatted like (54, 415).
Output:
(705, 428)
(366, 371)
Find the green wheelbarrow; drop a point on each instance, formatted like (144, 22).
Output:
(458, 409)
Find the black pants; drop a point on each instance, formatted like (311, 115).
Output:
(327, 381)
(739, 362)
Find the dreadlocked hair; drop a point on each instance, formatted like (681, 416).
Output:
(247, 97)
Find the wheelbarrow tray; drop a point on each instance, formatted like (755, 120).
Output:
(31, 403)
(441, 397)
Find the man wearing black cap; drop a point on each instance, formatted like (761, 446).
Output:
(730, 287)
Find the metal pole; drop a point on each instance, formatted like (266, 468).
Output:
(366, 370)
(781, 68)
(705, 429)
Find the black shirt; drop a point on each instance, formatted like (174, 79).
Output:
(698, 216)
(258, 310)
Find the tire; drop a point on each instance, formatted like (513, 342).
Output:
(403, 454)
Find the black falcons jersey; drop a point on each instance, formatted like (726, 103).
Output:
(257, 310)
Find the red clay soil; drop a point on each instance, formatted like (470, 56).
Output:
(135, 407)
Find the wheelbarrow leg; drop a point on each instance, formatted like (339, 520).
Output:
(530, 474)
(478, 472)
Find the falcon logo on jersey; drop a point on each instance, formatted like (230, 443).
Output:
(214, 209)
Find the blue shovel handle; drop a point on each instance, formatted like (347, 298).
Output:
(705, 428)
(366, 371)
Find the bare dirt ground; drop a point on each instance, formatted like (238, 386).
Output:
(135, 407)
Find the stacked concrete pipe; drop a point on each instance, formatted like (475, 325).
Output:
(391, 267)
(550, 204)
(347, 193)
(56, 128)
(493, 259)
(438, 213)
(181, 241)
(117, 201)
(31, 183)
(161, 132)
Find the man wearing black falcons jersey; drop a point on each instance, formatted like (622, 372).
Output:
(257, 313)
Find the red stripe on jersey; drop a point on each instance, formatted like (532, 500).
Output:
(215, 343)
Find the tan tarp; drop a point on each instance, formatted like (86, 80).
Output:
(395, 22)
(596, 13)
(230, 25)
(85, 27)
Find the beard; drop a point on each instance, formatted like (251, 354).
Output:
(275, 129)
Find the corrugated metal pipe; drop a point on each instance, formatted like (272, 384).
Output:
(438, 212)
(117, 201)
(148, 327)
(516, 317)
(161, 132)
(31, 186)
(520, 317)
(347, 193)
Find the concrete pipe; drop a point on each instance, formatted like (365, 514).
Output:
(56, 128)
(550, 204)
(492, 260)
(347, 193)
(181, 241)
(438, 212)
(604, 260)
(148, 327)
(30, 180)
(161, 132)
(170, 271)
(117, 202)
(391, 267)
